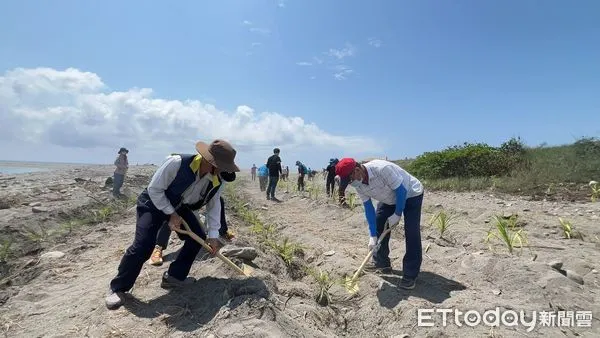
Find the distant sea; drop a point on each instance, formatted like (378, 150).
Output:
(15, 167)
(19, 170)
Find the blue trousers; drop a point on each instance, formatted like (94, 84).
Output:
(164, 233)
(272, 185)
(149, 220)
(413, 256)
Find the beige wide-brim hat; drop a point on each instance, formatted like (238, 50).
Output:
(220, 154)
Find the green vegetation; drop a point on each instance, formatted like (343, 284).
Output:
(286, 249)
(324, 283)
(568, 229)
(267, 234)
(508, 232)
(5, 250)
(443, 220)
(351, 199)
(512, 167)
(595, 190)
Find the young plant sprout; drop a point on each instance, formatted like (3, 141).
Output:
(443, 221)
(595, 190)
(507, 231)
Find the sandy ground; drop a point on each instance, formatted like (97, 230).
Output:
(63, 296)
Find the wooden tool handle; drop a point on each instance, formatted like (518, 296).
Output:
(197, 238)
(364, 262)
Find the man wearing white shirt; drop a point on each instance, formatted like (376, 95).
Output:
(398, 193)
(182, 184)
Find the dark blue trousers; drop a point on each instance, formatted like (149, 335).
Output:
(149, 221)
(413, 256)
(272, 185)
(164, 233)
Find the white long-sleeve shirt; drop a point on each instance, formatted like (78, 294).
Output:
(165, 175)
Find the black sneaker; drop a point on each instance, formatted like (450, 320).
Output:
(169, 282)
(407, 283)
(371, 267)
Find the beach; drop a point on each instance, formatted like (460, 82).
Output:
(65, 236)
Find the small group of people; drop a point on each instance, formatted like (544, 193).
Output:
(185, 183)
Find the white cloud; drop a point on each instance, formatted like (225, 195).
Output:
(262, 31)
(75, 109)
(281, 3)
(256, 44)
(339, 54)
(375, 42)
(304, 63)
(247, 23)
(317, 60)
(342, 72)
(313, 77)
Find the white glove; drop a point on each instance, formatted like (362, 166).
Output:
(394, 219)
(372, 242)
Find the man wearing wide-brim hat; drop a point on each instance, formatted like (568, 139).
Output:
(183, 183)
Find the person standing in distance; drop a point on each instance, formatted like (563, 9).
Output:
(253, 172)
(121, 164)
(274, 166)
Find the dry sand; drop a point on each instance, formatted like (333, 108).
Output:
(63, 296)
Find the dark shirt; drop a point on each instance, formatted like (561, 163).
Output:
(331, 171)
(274, 165)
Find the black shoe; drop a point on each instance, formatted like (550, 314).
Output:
(169, 282)
(407, 283)
(268, 198)
(371, 267)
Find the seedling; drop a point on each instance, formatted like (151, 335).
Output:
(5, 250)
(70, 225)
(351, 200)
(41, 236)
(567, 227)
(286, 249)
(507, 231)
(324, 283)
(595, 190)
(568, 230)
(443, 221)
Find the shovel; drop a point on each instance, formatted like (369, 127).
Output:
(244, 270)
(351, 283)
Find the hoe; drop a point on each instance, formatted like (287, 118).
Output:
(244, 270)
(351, 284)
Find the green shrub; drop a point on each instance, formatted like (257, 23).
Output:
(471, 160)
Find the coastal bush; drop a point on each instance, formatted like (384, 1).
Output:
(470, 160)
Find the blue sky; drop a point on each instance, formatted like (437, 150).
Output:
(411, 76)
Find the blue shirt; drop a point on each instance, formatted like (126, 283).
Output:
(263, 171)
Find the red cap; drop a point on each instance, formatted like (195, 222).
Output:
(345, 167)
